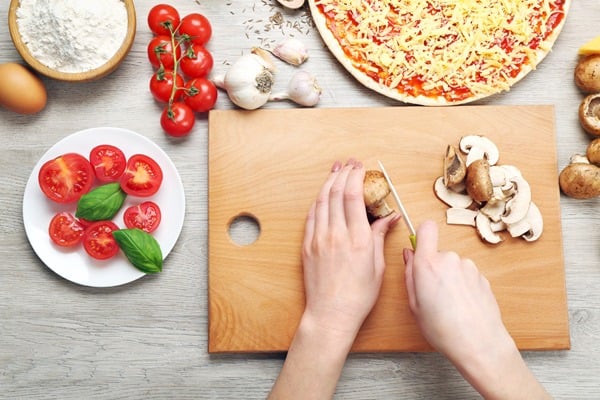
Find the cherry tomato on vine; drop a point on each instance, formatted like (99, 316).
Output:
(178, 119)
(65, 230)
(160, 51)
(66, 178)
(145, 216)
(98, 240)
(108, 162)
(200, 94)
(142, 176)
(161, 85)
(161, 16)
(197, 27)
(197, 62)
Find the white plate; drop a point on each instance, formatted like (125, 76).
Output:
(74, 264)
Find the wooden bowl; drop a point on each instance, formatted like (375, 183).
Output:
(85, 76)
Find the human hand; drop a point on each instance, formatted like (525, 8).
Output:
(458, 315)
(342, 254)
(343, 268)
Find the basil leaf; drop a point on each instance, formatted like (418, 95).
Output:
(101, 203)
(141, 248)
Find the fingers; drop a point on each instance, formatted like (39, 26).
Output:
(380, 228)
(354, 200)
(309, 227)
(337, 194)
(322, 202)
(427, 239)
(409, 257)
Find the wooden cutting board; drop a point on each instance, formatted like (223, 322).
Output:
(270, 164)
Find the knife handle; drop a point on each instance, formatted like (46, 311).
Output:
(413, 241)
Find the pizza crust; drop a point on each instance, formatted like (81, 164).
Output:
(334, 46)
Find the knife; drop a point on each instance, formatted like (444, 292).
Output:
(409, 225)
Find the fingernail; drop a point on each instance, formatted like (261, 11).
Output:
(358, 165)
(336, 166)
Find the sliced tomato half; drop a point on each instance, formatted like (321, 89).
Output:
(142, 176)
(108, 162)
(66, 178)
(98, 240)
(65, 230)
(145, 216)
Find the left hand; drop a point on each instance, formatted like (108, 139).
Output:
(342, 254)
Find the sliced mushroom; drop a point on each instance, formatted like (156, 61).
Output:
(376, 189)
(477, 147)
(494, 209)
(460, 216)
(449, 196)
(455, 169)
(293, 4)
(517, 206)
(530, 227)
(479, 183)
(484, 229)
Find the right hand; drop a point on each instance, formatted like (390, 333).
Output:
(451, 300)
(458, 314)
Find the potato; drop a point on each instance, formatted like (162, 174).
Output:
(580, 181)
(20, 90)
(587, 74)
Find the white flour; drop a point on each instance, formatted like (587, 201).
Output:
(72, 35)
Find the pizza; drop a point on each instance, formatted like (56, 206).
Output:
(439, 52)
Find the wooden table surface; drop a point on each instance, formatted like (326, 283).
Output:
(148, 339)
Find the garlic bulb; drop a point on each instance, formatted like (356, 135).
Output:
(291, 51)
(302, 89)
(249, 80)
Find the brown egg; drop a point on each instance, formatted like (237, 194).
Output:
(20, 90)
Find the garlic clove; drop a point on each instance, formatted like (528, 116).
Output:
(303, 89)
(265, 57)
(292, 51)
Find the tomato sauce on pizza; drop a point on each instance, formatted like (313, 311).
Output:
(439, 52)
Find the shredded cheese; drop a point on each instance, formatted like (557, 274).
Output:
(443, 48)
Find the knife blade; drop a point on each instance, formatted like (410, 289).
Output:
(413, 235)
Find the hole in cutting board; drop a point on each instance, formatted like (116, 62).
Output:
(244, 229)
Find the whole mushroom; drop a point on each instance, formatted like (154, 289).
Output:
(593, 151)
(580, 180)
(587, 74)
(589, 114)
(376, 189)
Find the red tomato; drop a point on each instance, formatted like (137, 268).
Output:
(197, 61)
(161, 85)
(197, 27)
(160, 51)
(142, 176)
(145, 216)
(66, 178)
(98, 240)
(160, 17)
(178, 119)
(108, 162)
(65, 230)
(200, 94)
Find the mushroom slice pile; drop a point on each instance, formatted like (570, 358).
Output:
(490, 197)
